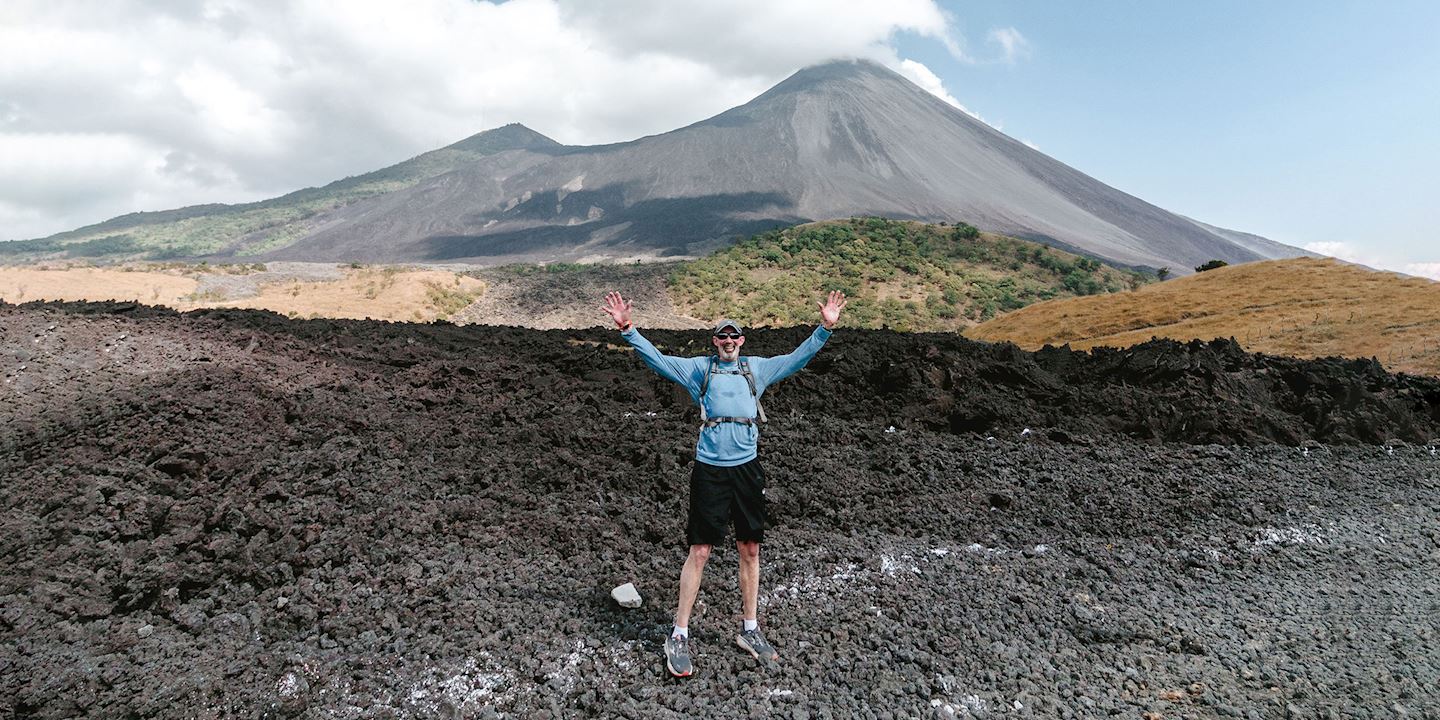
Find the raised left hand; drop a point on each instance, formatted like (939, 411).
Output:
(830, 310)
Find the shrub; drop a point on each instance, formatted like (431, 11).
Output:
(1080, 283)
(1211, 265)
(448, 301)
(965, 231)
(110, 245)
(21, 247)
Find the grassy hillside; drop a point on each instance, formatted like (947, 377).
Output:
(252, 228)
(904, 275)
(1304, 307)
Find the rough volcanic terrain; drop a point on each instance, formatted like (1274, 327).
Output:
(231, 514)
(556, 298)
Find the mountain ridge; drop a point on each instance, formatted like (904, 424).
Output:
(840, 139)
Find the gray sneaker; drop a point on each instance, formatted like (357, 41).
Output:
(677, 656)
(754, 643)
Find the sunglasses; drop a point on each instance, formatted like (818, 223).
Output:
(729, 336)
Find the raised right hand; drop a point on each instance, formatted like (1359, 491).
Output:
(618, 308)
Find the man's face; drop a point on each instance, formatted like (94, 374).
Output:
(728, 343)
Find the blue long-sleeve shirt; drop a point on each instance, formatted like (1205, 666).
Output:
(726, 444)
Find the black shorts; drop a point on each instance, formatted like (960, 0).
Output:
(720, 496)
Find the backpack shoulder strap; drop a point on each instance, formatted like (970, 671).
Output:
(705, 387)
(750, 379)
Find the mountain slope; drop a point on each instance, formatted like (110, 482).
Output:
(251, 228)
(836, 140)
(831, 141)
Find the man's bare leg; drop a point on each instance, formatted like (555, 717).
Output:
(749, 576)
(690, 583)
(750, 637)
(677, 646)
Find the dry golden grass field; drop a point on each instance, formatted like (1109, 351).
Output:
(22, 284)
(1304, 307)
(381, 293)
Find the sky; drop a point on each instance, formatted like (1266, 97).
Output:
(1314, 124)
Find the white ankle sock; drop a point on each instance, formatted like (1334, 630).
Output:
(752, 625)
(680, 632)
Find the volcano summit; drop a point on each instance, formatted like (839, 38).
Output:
(836, 140)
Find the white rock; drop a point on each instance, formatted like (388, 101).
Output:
(626, 595)
(291, 685)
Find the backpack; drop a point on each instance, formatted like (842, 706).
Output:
(709, 422)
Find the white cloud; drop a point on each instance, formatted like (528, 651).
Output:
(1361, 256)
(1423, 269)
(757, 36)
(1013, 45)
(1339, 251)
(230, 113)
(130, 105)
(930, 82)
(102, 175)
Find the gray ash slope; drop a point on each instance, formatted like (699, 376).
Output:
(836, 140)
(229, 514)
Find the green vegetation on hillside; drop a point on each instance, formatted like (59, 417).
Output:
(97, 247)
(253, 228)
(904, 275)
(263, 226)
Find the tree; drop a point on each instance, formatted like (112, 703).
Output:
(1211, 265)
(1162, 273)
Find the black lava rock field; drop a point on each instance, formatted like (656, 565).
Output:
(231, 514)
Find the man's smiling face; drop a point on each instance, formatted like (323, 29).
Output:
(727, 342)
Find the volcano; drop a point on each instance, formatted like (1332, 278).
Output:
(841, 139)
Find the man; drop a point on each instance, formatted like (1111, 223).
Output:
(727, 485)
